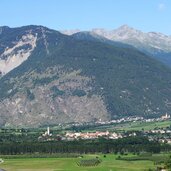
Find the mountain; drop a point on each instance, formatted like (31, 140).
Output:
(61, 79)
(16, 48)
(70, 32)
(90, 36)
(155, 44)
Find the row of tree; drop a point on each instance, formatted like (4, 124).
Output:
(128, 144)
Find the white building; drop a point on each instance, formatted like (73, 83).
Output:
(166, 116)
(47, 133)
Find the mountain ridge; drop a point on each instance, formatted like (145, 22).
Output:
(152, 43)
(70, 80)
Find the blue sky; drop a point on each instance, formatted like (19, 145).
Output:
(146, 15)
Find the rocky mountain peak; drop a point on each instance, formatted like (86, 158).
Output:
(125, 27)
(125, 32)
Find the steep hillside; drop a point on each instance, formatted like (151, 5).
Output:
(16, 46)
(89, 36)
(154, 44)
(66, 79)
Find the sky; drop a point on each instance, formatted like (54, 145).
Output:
(145, 15)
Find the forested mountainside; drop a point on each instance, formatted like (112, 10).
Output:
(49, 78)
(154, 44)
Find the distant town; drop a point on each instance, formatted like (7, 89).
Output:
(134, 119)
(158, 134)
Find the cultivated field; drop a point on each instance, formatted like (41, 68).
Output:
(109, 163)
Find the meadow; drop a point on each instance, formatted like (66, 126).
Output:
(109, 163)
(130, 126)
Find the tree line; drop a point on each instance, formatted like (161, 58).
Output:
(124, 145)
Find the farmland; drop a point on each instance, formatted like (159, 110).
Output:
(109, 163)
(22, 150)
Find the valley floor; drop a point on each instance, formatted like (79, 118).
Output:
(109, 163)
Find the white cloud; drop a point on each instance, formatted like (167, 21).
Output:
(161, 7)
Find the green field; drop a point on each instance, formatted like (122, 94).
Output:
(144, 125)
(109, 163)
(131, 126)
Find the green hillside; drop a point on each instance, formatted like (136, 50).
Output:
(126, 80)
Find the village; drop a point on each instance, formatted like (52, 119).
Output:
(157, 134)
(70, 136)
(135, 118)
